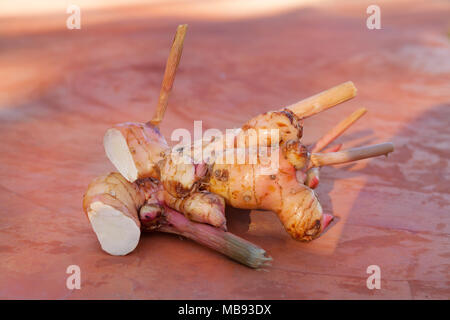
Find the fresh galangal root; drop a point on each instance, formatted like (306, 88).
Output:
(170, 190)
(287, 192)
(119, 210)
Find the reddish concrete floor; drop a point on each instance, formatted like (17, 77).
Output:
(60, 90)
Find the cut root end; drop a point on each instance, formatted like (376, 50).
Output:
(118, 152)
(117, 233)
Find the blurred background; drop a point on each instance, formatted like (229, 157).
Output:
(61, 88)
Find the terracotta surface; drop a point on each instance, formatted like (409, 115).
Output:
(61, 89)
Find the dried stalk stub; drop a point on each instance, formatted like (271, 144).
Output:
(339, 129)
(354, 154)
(169, 74)
(324, 100)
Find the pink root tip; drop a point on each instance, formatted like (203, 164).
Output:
(314, 183)
(326, 219)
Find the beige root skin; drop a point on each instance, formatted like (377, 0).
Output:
(299, 209)
(177, 172)
(203, 207)
(289, 126)
(296, 153)
(296, 205)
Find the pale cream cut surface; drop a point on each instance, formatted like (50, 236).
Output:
(118, 234)
(119, 154)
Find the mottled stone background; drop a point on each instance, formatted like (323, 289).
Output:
(61, 89)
